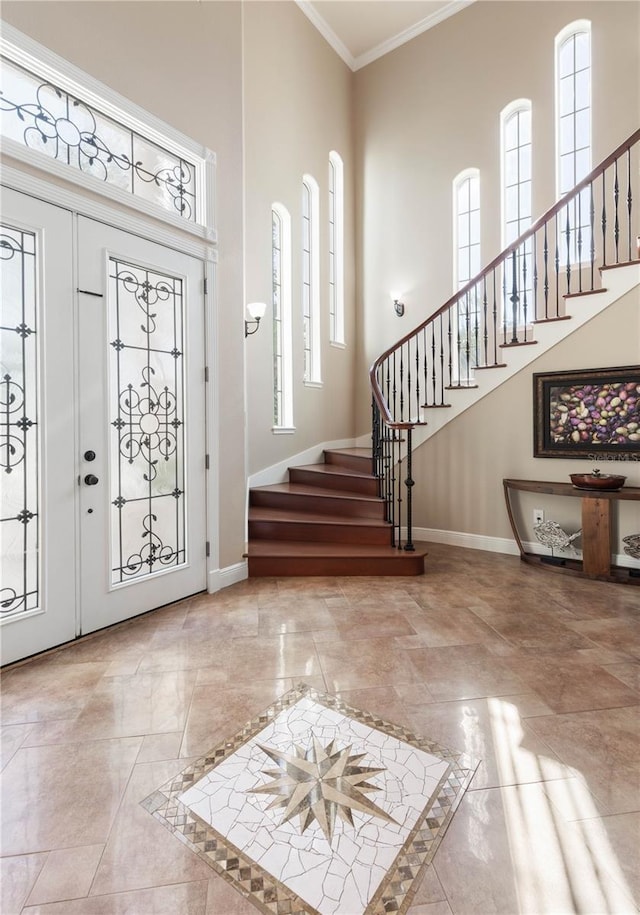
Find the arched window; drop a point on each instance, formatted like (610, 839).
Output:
(516, 148)
(282, 319)
(466, 264)
(311, 279)
(336, 249)
(573, 132)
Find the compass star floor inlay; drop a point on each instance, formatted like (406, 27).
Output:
(343, 825)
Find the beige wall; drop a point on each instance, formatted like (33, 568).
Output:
(182, 62)
(431, 108)
(297, 109)
(459, 471)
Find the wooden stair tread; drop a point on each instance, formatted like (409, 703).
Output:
(261, 513)
(350, 452)
(301, 489)
(294, 548)
(334, 469)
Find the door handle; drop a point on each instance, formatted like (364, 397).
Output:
(91, 479)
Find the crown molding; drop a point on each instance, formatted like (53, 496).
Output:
(413, 31)
(357, 63)
(327, 33)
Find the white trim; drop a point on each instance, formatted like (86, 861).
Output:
(283, 430)
(24, 51)
(102, 211)
(218, 579)
(327, 33)
(504, 545)
(277, 473)
(336, 301)
(286, 315)
(408, 34)
(356, 63)
(313, 372)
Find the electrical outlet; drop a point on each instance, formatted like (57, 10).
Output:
(538, 515)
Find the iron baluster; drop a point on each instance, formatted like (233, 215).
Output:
(467, 341)
(395, 387)
(557, 266)
(616, 222)
(449, 348)
(495, 321)
(418, 374)
(514, 299)
(409, 482)
(603, 221)
(629, 200)
(592, 235)
(398, 490)
(485, 332)
(545, 257)
(524, 289)
(401, 384)
(442, 362)
(504, 303)
(568, 237)
(579, 242)
(535, 276)
(433, 362)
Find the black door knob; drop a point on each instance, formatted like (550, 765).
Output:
(89, 455)
(91, 479)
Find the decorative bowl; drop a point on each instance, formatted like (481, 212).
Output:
(599, 481)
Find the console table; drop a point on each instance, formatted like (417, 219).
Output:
(596, 529)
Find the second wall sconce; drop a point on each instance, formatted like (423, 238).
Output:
(256, 311)
(398, 306)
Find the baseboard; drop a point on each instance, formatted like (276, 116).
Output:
(230, 575)
(470, 541)
(502, 545)
(278, 473)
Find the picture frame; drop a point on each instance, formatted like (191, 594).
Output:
(587, 413)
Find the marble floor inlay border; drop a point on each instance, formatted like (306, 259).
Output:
(317, 808)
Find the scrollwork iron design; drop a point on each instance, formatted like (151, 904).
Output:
(71, 131)
(147, 419)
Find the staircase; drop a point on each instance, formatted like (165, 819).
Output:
(327, 520)
(352, 514)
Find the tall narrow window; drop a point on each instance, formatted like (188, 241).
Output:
(515, 124)
(282, 336)
(573, 134)
(336, 249)
(466, 211)
(311, 280)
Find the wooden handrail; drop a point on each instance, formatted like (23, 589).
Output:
(506, 253)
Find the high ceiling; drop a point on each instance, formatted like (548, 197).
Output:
(360, 31)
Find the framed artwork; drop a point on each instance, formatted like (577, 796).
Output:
(590, 413)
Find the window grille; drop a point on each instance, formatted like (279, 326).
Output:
(282, 330)
(516, 205)
(310, 280)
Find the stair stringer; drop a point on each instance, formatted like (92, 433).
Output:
(619, 282)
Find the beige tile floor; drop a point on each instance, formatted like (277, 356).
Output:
(533, 672)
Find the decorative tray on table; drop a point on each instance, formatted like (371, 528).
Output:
(606, 482)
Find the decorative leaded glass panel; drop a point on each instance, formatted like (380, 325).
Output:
(47, 118)
(19, 430)
(146, 333)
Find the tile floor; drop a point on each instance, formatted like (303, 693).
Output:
(532, 672)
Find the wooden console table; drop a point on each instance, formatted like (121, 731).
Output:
(596, 529)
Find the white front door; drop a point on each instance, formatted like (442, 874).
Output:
(142, 407)
(106, 520)
(37, 434)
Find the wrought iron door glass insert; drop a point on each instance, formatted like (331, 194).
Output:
(44, 117)
(19, 429)
(147, 408)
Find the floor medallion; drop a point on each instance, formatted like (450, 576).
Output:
(316, 807)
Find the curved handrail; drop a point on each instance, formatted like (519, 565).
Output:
(552, 212)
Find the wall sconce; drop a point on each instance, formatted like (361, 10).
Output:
(256, 311)
(398, 306)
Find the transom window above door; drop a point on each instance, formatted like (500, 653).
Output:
(63, 121)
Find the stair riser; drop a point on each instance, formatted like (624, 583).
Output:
(351, 461)
(323, 533)
(346, 508)
(368, 487)
(289, 566)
